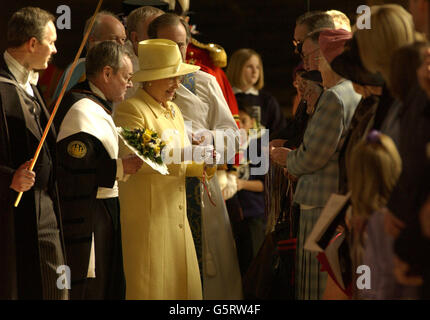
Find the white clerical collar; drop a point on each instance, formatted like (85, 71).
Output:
(251, 90)
(96, 90)
(24, 76)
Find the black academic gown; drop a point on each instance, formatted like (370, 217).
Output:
(20, 260)
(80, 174)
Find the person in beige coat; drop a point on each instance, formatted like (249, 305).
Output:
(159, 255)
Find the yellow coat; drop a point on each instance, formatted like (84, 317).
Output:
(159, 256)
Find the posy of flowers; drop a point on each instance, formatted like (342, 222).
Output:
(146, 142)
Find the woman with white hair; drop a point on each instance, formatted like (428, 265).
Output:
(315, 161)
(341, 21)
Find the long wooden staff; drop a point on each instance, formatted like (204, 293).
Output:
(60, 97)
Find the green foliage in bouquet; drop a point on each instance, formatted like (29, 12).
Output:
(145, 141)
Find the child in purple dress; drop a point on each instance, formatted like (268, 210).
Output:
(373, 171)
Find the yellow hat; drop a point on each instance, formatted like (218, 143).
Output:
(160, 59)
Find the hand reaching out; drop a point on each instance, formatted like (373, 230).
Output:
(401, 270)
(279, 156)
(276, 143)
(311, 95)
(131, 164)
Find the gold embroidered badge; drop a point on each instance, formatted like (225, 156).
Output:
(77, 149)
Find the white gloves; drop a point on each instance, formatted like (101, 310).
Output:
(228, 183)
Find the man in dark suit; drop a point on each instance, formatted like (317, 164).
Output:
(30, 234)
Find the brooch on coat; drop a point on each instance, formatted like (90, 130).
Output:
(170, 110)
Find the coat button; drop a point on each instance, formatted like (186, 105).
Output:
(181, 225)
(180, 207)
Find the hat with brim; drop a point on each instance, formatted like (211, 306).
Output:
(348, 65)
(160, 59)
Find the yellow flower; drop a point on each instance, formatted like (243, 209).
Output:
(146, 137)
(149, 132)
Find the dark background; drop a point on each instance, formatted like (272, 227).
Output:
(266, 26)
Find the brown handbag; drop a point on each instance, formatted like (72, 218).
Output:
(271, 273)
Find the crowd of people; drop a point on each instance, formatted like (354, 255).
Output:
(354, 144)
(360, 129)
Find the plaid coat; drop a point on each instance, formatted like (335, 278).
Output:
(315, 162)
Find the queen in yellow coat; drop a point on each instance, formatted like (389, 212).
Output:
(159, 256)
